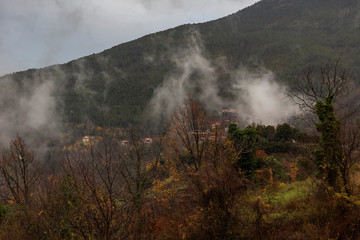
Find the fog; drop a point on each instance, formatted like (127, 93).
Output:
(30, 105)
(28, 109)
(257, 96)
(261, 99)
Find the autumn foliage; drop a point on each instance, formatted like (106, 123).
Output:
(195, 182)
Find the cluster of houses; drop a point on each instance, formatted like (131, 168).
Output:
(146, 140)
(87, 139)
(227, 116)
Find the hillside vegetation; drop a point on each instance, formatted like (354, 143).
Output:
(114, 87)
(198, 181)
(84, 163)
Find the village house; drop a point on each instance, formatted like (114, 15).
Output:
(86, 139)
(124, 142)
(148, 140)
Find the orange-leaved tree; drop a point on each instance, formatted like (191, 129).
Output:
(203, 185)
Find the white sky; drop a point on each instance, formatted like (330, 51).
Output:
(38, 33)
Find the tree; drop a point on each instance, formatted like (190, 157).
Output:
(319, 82)
(329, 155)
(93, 191)
(19, 171)
(202, 185)
(189, 133)
(105, 186)
(320, 89)
(139, 167)
(245, 142)
(267, 132)
(284, 132)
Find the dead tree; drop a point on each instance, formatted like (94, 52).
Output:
(19, 171)
(94, 172)
(140, 161)
(318, 82)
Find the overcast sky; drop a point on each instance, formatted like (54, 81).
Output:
(38, 33)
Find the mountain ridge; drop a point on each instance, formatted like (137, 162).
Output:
(115, 86)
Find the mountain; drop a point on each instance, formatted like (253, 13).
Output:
(114, 87)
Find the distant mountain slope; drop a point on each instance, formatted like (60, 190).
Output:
(114, 87)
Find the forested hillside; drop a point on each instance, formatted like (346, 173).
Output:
(114, 87)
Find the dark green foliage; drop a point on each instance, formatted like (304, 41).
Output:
(278, 147)
(267, 132)
(284, 132)
(246, 142)
(329, 155)
(306, 138)
(276, 166)
(281, 139)
(4, 209)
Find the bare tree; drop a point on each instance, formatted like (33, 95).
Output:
(201, 165)
(94, 172)
(189, 133)
(19, 171)
(350, 144)
(110, 181)
(318, 82)
(140, 161)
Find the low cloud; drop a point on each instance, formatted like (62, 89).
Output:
(39, 106)
(31, 105)
(261, 99)
(194, 75)
(256, 96)
(28, 109)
